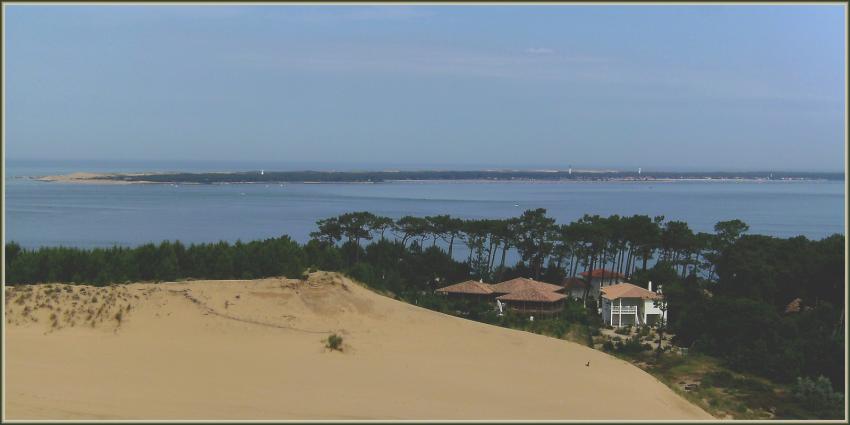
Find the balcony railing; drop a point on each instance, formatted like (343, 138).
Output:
(624, 309)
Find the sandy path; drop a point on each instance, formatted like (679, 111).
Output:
(253, 350)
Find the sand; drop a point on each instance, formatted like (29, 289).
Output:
(255, 350)
(91, 178)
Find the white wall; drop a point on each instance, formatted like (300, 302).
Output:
(628, 319)
(650, 308)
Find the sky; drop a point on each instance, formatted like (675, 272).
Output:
(726, 87)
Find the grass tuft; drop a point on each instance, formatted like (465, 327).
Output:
(334, 342)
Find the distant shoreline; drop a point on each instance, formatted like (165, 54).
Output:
(485, 176)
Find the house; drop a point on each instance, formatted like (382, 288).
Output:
(795, 306)
(520, 294)
(469, 289)
(575, 287)
(600, 278)
(533, 300)
(627, 304)
(521, 284)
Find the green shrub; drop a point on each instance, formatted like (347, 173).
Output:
(608, 346)
(334, 342)
(632, 346)
(625, 330)
(816, 393)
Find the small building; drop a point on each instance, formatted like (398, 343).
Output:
(794, 306)
(534, 300)
(575, 287)
(469, 289)
(521, 284)
(627, 304)
(600, 278)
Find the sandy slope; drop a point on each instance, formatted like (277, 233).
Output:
(254, 350)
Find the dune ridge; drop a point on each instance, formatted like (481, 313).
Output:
(254, 350)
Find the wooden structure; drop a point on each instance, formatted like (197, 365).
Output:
(521, 284)
(520, 294)
(470, 289)
(534, 300)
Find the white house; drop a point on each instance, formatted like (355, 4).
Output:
(600, 278)
(574, 287)
(627, 304)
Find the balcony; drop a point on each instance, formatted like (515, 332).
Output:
(624, 309)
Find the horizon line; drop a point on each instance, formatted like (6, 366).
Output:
(381, 166)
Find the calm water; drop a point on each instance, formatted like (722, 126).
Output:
(39, 213)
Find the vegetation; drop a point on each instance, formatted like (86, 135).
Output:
(727, 292)
(381, 176)
(707, 382)
(166, 261)
(818, 395)
(334, 342)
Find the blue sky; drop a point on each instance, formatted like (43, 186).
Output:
(663, 87)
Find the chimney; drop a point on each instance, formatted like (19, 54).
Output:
(650, 286)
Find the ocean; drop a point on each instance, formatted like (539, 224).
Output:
(54, 214)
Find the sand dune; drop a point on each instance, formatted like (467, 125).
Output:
(254, 350)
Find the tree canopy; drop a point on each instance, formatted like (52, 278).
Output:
(727, 292)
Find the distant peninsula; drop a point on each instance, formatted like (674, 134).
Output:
(261, 176)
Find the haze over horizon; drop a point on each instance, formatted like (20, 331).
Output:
(191, 166)
(664, 88)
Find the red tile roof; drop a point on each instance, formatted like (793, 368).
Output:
(603, 273)
(468, 287)
(628, 290)
(521, 283)
(532, 295)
